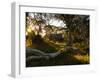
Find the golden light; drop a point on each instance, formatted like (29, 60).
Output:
(29, 30)
(33, 28)
(43, 33)
(82, 57)
(26, 33)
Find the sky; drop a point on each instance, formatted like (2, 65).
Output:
(53, 21)
(58, 23)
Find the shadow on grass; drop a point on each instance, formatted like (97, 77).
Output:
(62, 59)
(40, 44)
(65, 58)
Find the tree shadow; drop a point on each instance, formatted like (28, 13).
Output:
(39, 43)
(60, 60)
(65, 58)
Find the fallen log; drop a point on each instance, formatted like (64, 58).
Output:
(37, 54)
(34, 52)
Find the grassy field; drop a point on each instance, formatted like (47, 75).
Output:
(68, 57)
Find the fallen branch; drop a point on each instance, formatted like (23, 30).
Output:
(37, 54)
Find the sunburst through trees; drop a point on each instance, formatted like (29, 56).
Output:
(56, 39)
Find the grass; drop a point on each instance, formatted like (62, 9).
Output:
(40, 44)
(65, 58)
(62, 59)
(82, 58)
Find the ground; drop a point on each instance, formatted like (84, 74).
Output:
(68, 57)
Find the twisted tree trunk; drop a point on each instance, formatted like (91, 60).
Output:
(37, 54)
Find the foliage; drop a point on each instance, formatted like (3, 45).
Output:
(71, 37)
